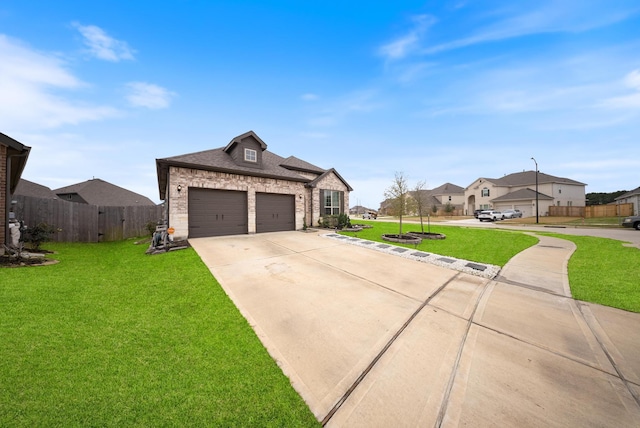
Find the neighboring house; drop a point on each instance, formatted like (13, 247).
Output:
(13, 158)
(244, 188)
(632, 197)
(439, 197)
(359, 210)
(517, 191)
(102, 193)
(29, 188)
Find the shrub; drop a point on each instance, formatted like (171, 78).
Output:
(38, 234)
(343, 221)
(151, 227)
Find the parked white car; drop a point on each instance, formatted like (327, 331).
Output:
(511, 214)
(490, 215)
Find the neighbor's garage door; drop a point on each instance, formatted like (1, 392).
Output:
(217, 212)
(524, 209)
(275, 212)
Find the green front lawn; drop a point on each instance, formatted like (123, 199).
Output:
(494, 247)
(605, 272)
(113, 337)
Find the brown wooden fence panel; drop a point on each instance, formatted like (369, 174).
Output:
(78, 222)
(611, 210)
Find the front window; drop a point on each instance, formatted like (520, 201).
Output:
(331, 202)
(485, 192)
(250, 155)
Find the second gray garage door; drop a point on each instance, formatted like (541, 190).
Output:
(217, 212)
(275, 212)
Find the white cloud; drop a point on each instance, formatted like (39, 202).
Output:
(103, 46)
(28, 79)
(142, 94)
(633, 79)
(632, 101)
(511, 20)
(408, 43)
(356, 102)
(309, 97)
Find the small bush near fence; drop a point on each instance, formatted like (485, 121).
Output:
(76, 222)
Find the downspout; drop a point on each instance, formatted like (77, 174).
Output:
(9, 195)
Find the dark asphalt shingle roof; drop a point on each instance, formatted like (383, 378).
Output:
(522, 195)
(29, 188)
(221, 160)
(633, 192)
(527, 178)
(447, 188)
(100, 192)
(19, 153)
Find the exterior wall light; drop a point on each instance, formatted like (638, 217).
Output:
(179, 187)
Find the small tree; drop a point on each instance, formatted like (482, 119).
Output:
(397, 196)
(420, 200)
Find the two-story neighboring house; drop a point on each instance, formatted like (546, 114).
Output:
(518, 191)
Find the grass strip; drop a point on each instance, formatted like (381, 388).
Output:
(113, 337)
(494, 247)
(604, 271)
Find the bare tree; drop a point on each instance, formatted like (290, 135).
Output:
(397, 196)
(420, 200)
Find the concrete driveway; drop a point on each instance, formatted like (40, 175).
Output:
(372, 339)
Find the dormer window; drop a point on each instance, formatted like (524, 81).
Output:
(250, 155)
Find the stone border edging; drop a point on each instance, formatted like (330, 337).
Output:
(472, 268)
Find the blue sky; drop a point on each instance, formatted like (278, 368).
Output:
(441, 91)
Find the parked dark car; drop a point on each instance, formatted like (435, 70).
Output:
(633, 221)
(476, 213)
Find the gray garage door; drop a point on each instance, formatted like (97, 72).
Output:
(217, 212)
(275, 212)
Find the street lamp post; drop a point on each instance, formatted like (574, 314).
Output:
(537, 215)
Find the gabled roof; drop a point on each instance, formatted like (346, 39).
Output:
(220, 160)
(241, 137)
(315, 182)
(447, 188)
(527, 178)
(630, 193)
(522, 195)
(18, 154)
(293, 163)
(29, 188)
(100, 192)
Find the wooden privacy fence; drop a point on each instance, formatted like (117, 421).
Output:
(78, 222)
(611, 210)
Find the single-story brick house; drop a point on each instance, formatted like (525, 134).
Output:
(13, 158)
(244, 188)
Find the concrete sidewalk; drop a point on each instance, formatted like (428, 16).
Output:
(373, 339)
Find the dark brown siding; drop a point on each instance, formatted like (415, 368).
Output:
(275, 212)
(217, 212)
